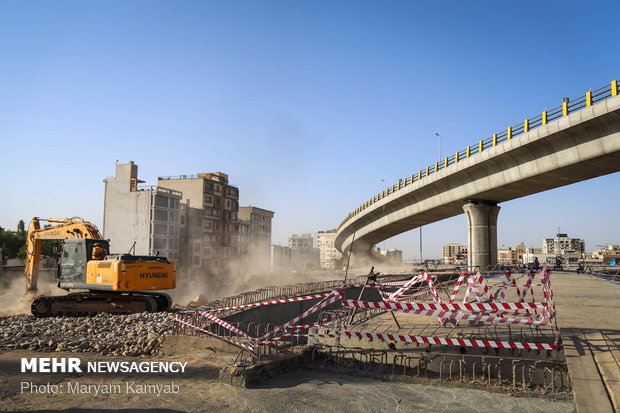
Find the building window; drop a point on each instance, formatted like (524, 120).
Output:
(161, 201)
(212, 212)
(159, 243)
(160, 229)
(161, 215)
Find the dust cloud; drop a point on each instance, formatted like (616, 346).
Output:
(201, 286)
(13, 300)
(198, 287)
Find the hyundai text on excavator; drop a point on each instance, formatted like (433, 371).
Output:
(115, 283)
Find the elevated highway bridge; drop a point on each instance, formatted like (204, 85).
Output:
(574, 142)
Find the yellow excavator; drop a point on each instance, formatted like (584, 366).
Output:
(114, 283)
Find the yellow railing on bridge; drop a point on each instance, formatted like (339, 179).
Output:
(568, 107)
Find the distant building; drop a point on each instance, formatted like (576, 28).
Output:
(144, 219)
(520, 250)
(285, 259)
(533, 254)
(606, 251)
(280, 259)
(303, 241)
(303, 254)
(562, 244)
(257, 240)
(328, 254)
(393, 254)
(508, 256)
(451, 253)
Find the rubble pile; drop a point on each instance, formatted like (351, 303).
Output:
(107, 334)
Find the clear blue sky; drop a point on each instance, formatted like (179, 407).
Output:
(307, 105)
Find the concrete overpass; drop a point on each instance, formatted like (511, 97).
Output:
(577, 141)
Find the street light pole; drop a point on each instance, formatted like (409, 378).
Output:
(439, 146)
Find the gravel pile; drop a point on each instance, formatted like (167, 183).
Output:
(116, 335)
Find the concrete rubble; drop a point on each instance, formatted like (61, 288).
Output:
(107, 334)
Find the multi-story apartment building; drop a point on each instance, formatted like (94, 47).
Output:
(453, 252)
(303, 241)
(328, 254)
(303, 254)
(393, 254)
(210, 224)
(508, 256)
(280, 259)
(257, 241)
(562, 244)
(144, 219)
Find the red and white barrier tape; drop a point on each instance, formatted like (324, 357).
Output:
(405, 287)
(457, 286)
(418, 294)
(332, 298)
(233, 342)
(223, 323)
(484, 307)
(451, 341)
(476, 317)
(281, 301)
(471, 287)
(424, 340)
(394, 283)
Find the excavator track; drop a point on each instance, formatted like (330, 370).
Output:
(90, 303)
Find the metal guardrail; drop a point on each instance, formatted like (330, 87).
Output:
(604, 273)
(568, 107)
(275, 292)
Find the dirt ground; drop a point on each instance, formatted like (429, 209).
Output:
(200, 390)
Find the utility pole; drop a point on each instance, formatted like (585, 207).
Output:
(421, 261)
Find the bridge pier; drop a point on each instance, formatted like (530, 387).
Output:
(481, 233)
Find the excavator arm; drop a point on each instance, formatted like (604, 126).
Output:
(65, 228)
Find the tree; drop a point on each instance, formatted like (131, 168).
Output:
(21, 227)
(11, 242)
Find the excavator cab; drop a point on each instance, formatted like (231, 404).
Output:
(73, 260)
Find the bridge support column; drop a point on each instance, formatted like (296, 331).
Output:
(481, 234)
